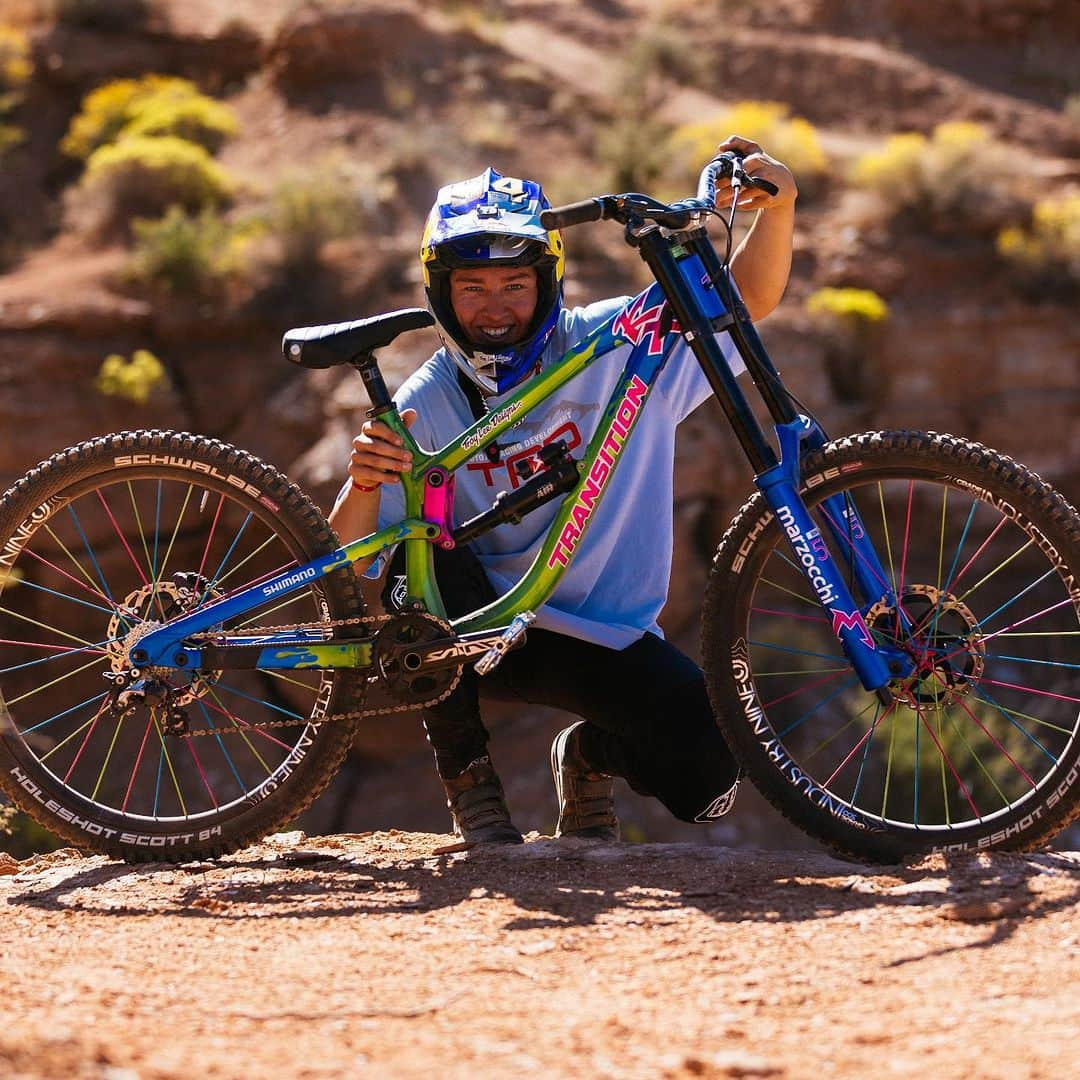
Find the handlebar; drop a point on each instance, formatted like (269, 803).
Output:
(676, 216)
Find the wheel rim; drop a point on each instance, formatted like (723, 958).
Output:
(97, 567)
(991, 710)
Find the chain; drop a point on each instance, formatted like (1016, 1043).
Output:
(353, 714)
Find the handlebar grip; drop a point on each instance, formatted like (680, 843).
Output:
(561, 217)
(766, 185)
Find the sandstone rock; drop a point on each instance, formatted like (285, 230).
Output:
(317, 47)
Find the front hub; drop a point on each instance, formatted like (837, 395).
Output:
(941, 636)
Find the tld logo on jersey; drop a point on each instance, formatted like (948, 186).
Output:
(635, 322)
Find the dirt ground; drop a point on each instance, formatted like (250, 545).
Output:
(387, 955)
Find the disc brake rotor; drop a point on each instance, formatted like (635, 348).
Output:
(941, 635)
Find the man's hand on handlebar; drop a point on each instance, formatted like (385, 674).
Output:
(758, 164)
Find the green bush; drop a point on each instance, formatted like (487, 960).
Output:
(954, 173)
(1046, 254)
(791, 139)
(142, 176)
(632, 144)
(133, 380)
(307, 209)
(152, 105)
(186, 254)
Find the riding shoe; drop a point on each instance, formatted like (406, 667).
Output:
(477, 805)
(586, 798)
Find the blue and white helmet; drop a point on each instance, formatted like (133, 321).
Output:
(492, 220)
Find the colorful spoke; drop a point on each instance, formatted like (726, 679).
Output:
(945, 757)
(985, 697)
(135, 767)
(852, 752)
(997, 570)
(169, 763)
(91, 585)
(866, 750)
(993, 614)
(108, 757)
(123, 539)
(846, 685)
(60, 715)
(210, 536)
(225, 558)
(796, 652)
(59, 679)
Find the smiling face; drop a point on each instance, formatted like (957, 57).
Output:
(494, 304)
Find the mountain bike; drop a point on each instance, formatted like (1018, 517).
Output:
(890, 625)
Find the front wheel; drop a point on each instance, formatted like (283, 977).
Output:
(979, 746)
(98, 546)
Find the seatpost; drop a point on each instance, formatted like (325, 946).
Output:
(368, 367)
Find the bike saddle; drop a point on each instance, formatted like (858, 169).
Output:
(340, 343)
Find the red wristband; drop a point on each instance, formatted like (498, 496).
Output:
(365, 488)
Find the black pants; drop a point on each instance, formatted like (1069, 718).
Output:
(647, 714)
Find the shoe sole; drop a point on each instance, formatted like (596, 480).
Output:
(556, 774)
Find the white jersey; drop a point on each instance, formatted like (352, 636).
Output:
(617, 583)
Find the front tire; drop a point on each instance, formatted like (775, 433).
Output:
(979, 747)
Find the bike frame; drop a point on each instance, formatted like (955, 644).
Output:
(691, 300)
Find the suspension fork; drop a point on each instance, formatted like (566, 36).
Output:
(875, 664)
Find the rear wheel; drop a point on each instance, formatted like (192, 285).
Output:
(979, 746)
(99, 545)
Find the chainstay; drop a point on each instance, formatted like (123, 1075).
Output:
(352, 714)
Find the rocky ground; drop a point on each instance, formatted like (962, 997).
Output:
(396, 954)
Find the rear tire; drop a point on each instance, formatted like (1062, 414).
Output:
(91, 543)
(980, 748)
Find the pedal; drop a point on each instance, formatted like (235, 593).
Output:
(510, 637)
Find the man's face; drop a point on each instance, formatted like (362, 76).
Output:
(494, 304)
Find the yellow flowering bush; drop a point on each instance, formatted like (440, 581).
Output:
(848, 320)
(851, 306)
(791, 139)
(953, 171)
(133, 380)
(1046, 253)
(151, 105)
(15, 72)
(142, 176)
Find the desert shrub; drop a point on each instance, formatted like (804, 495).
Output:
(15, 72)
(151, 105)
(194, 254)
(848, 321)
(133, 380)
(1046, 254)
(308, 208)
(143, 176)
(954, 172)
(847, 307)
(791, 139)
(632, 144)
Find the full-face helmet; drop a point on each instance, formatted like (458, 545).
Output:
(492, 220)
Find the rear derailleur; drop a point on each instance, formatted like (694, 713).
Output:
(131, 691)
